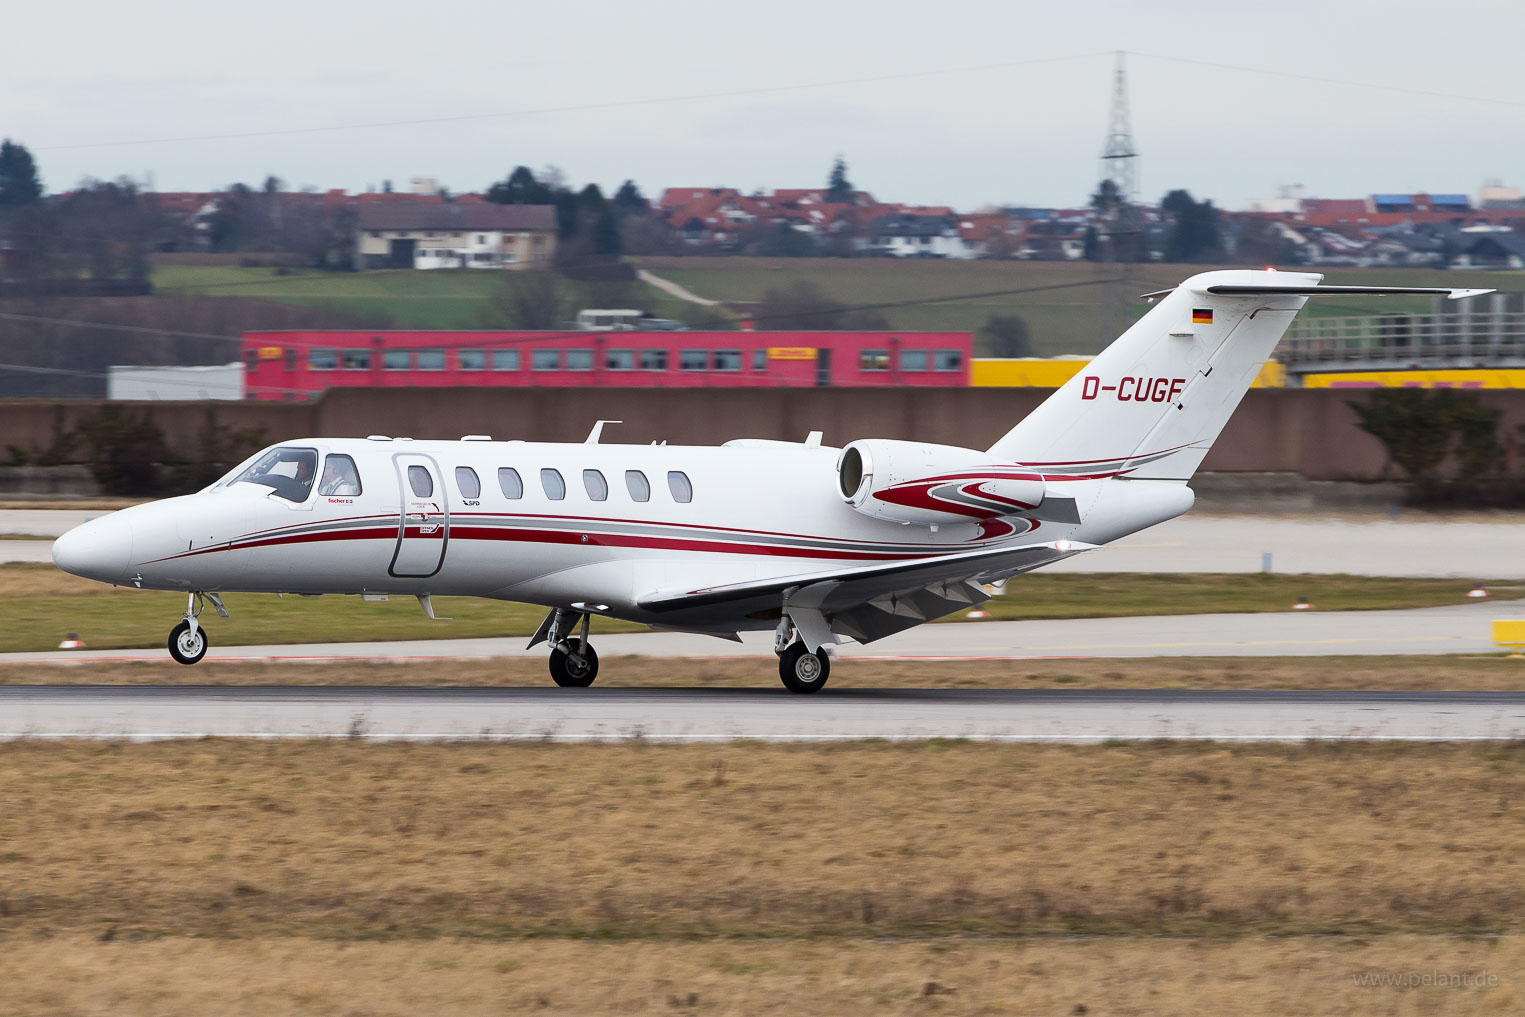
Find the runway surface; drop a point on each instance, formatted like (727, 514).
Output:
(1462, 628)
(693, 715)
(1490, 547)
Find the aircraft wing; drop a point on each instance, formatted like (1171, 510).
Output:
(872, 601)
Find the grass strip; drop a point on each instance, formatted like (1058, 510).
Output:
(41, 605)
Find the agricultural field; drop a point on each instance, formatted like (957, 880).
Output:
(923, 877)
(443, 299)
(42, 604)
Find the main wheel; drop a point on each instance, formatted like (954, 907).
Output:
(577, 669)
(186, 647)
(803, 671)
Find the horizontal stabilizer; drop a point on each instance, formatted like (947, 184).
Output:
(1304, 290)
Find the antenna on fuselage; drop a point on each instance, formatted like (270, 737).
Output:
(598, 430)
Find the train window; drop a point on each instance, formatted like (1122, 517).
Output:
(595, 484)
(431, 360)
(467, 481)
(949, 360)
(638, 486)
(555, 488)
(727, 360)
(340, 478)
(251, 358)
(420, 481)
(357, 360)
(546, 360)
(470, 360)
(913, 360)
(396, 360)
(693, 360)
(505, 360)
(653, 360)
(510, 483)
(579, 360)
(290, 357)
(619, 360)
(682, 490)
(322, 360)
(873, 360)
(759, 360)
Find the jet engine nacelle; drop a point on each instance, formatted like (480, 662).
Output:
(909, 482)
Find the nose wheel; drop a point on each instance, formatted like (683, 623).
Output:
(188, 641)
(187, 645)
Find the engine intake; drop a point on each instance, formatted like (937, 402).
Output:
(908, 482)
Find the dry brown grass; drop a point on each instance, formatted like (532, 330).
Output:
(273, 978)
(354, 841)
(1394, 673)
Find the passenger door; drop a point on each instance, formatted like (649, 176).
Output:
(423, 530)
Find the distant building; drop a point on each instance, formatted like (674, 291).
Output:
(917, 236)
(454, 235)
(163, 384)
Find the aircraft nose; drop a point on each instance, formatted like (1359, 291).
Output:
(99, 549)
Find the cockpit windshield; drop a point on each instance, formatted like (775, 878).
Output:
(286, 470)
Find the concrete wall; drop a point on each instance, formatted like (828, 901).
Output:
(1312, 432)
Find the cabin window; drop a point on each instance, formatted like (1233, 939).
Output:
(653, 360)
(510, 483)
(420, 481)
(546, 360)
(579, 360)
(727, 360)
(396, 360)
(286, 470)
(619, 360)
(597, 487)
(873, 360)
(290, 358)
(322, 360)
(357, 360)
(638, 486)
(949, 360)
(693, 360)
(913, 360)
(470, 360)
(431, 360)
(682, 490)
(467, 481)
(759, 360)
(555, 487)
(505, 360)
(340, 478)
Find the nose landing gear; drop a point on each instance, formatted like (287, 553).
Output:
(188, 641)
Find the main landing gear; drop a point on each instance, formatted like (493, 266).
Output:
(801, 669)
(574, 662)
(188, 641)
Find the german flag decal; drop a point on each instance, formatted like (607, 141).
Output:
(1201, 315)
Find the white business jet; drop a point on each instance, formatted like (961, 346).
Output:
(816, 543)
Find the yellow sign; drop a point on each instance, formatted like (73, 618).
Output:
(270, 352)
(791, 353)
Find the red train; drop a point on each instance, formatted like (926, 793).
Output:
(300, 364)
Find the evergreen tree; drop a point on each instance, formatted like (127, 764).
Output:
(838, 188)
(630, 199)
(520, 188)
(19, 183)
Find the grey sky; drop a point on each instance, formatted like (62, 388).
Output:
(93, 74)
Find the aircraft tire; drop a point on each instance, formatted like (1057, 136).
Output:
(567, 673)
(185, 648)
(802, 671)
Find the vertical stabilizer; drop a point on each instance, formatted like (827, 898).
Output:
(1152, 404)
